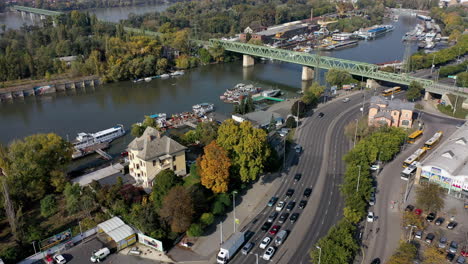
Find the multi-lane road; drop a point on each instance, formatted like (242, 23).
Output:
(321, 167)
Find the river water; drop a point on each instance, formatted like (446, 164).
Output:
(125, 103)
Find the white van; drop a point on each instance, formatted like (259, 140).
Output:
(281, 237)
(100, 255)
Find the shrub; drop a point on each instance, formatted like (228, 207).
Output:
(195, 230)
(207, 219)
(48, 206)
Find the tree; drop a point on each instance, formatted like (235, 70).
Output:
(139, 129)
(162, 183)
(72, 198)
(405, 253)
(252, 152)
(430, 197)
(182, 62)
(48, 205)
(195, 230)
(433, 255)
(312, 94)
(30, 165)
(177, 209)
(214, 168)
(299, 108)
(291, 122)
(414, 91)
(207, 218)
(205, 55)
(412, 219)
(229, 135)
(338, 77)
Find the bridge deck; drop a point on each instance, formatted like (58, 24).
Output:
(36, 10)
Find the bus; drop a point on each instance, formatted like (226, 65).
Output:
(433, 140)
(409, 171)
(414, 136)
(390, 91)
(417, 155)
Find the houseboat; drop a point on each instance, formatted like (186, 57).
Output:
(341, 36)
(203, 108)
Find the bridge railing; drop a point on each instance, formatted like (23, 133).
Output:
(36, 10)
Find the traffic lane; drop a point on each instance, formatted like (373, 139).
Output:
(321, 223)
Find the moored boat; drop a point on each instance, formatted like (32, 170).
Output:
(203, 108)
(86, 141)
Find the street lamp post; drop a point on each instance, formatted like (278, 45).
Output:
(256, 258)
(234, 208)
(320, 252)
(284, 152)
(34, 246)
(359, 177)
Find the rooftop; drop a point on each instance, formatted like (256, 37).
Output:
(395, 104)
(151, 145)
(452, 155)
(116, 229)
(283, 27)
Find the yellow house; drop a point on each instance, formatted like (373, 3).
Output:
(395, 112)
(151, 153)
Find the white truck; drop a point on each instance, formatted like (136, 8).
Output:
(230, 247)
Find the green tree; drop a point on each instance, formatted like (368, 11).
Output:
(433, 255)
(195, 230)
(291, 122)
(161, 66)
(338, 77)
(177, 209)
(229, 135)
(411, 219)
(312, 94)
(48, 205)
(182, 62)
(30, 165)
(207, 219)
(430, 197)
(72, 198)
(299, 108)
(205, 55)
(405, 253)
(162, 183)
(414, 91)
(139, 129)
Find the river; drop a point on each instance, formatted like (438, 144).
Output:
(125, 103)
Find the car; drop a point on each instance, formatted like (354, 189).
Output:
(289, 192)
(376, 261)
(418, 212)
(409, 208)
(290, 205)
(370, 217)
(298, 149)
(346, 100)
(375, 167)
(307, 192)
(266, 226)
(246, 249)
(283, 218)
(439, 221)
(100, 255)
(452, 225)
(372, 199)
(321, 114)
(274, 229)
(429, 238)
(302, 204)
(279, 206)
(265, 242)
(430, 217)
(453, 247)
(59, 259)
(294, 217)
(442, 242)
(460, 260)
(418, 234)
(464, 251)
(272, 217)
(297, 177)
(272, 201)
(268, 253)
(450, 256)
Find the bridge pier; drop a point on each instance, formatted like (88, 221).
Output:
(247, 61)
(427, 96)
(371, 84)
(307, 73)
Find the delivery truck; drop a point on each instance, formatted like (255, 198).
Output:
(230, 247)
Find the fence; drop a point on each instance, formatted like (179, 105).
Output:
(64, 246)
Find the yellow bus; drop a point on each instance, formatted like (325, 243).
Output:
(417, 155)
(414, 136)
(391, 91)
(433, 140)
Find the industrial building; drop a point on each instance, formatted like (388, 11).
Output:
(116, 234)
(282, 31)
(448, 164)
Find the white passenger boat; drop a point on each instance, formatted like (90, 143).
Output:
(203, 108)
(84, 140)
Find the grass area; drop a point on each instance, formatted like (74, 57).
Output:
(448, 110)
(191, 179)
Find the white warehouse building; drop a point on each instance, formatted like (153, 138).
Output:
(447, 165)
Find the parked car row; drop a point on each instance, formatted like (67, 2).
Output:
(451, 247)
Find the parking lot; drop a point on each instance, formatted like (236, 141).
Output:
(453, 211)
(82, 254)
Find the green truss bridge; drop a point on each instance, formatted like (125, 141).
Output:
(308, 61)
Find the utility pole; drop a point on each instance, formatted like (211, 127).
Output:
(359, 177)
(456, 100)
(234, 208)
(355, 133)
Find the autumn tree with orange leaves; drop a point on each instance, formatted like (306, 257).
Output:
(214, 168)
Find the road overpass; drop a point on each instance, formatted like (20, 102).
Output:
(307, 60)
